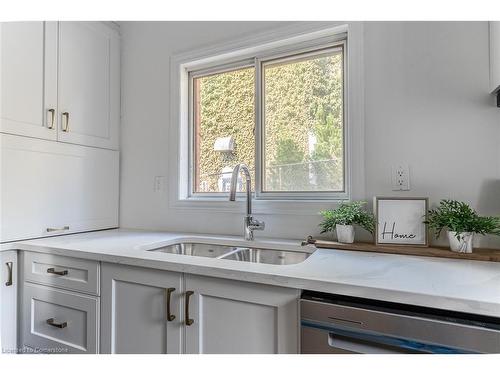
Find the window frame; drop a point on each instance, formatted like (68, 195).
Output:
(315, 50)
(258, 62)
(235, 49)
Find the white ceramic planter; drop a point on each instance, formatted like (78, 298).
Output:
(462, 244)
(345, 233)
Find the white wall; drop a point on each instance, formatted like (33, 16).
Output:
(426, 104)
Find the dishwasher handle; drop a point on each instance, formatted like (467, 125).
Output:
(342, 344)
(337, 339)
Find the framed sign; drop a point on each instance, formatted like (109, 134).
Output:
(400, 221)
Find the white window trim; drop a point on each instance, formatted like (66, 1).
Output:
(302, 35)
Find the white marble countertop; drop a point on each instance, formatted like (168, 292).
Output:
(459, 285)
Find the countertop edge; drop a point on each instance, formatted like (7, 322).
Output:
(265, 277)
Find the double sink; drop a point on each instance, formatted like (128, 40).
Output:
(237, 253)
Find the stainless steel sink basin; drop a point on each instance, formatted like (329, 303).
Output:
(196, 249)
(238, 253)
(267, 256)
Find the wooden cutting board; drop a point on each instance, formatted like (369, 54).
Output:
(488, 255)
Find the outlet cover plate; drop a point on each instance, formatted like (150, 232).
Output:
(400, 176)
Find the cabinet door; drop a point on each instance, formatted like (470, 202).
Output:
(8, 301)
(89, 74)
(51, 188)
(135, 308)
(231, 317)
(28, 79)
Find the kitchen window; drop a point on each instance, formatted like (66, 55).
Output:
(282, 115)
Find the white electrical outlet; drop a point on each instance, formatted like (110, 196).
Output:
(400, 177)
(159, 184)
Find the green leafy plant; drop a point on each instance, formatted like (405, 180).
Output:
(348, 213)
(459, 217)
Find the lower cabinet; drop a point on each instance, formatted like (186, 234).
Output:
(128, 309)
(141, 310)
(52, 188)
(153, 311)
(60, 304)
(8, 301)
(58, 321)
(239, 317)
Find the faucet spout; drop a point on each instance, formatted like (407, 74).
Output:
(250, 224)
(234, 185)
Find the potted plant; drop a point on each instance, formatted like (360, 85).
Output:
(344, 217)
(462, 222)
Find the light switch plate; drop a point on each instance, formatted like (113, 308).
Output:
(159, 184)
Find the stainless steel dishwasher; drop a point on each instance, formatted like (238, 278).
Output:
(340, 324)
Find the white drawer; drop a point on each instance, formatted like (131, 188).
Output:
(56, 321)
(62, 272)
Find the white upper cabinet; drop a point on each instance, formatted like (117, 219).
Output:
(50, 188)
(89, 86)
(61, 81)
(28, 79)
(494, 56)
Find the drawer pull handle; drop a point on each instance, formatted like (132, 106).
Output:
(54, 272)
(189, 321)
(52, 323)
(169, 291)
(9, 274)
(66, 227)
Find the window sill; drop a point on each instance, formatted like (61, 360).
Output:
(259, 206)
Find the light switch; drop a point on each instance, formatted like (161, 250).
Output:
(159, 184)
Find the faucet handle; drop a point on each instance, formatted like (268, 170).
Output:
(255, 224)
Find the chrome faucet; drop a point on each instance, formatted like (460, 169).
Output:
(250, 223)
